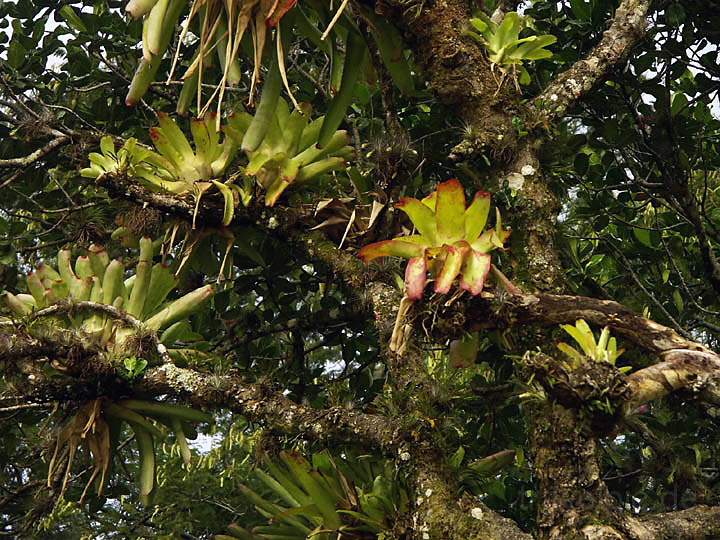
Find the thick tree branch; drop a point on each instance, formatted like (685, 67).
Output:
(565, 432)
(684, 364)
(257, 402)
(131, 190)
(534, 221)
(68, 308)
(691, 524)
(438, 513)
(17, 344)
(698, 371)
(626, 31)
(566, 463)
(554, 309)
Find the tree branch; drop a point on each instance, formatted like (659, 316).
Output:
(438, 513)
(256, 402)
(37, 154)
(65, 307)
(570, 485)
(554, 309)
(533, 221)
(131, 190)
(690, 524)
(626, 31)
(682, 369)
(684, 364)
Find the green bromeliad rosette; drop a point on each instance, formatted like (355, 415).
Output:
(143, 295)
(451, 241)
(177, 166)
(604, 349)
(506, 48)
(282, 146)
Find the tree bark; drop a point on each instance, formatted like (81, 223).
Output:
(572, 494)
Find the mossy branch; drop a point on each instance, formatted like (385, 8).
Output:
(68, 308)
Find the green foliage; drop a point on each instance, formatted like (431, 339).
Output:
(134, 366)
(505, 46)
(224, 38)
(175, 167)
(129, 159)
(97, 427)
(288, 152)
(330, 498)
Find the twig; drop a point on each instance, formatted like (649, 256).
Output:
(35, 156)
(25, 406)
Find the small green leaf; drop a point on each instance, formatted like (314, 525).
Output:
(479, 25)
(678, 300)
(581, 9)
(135, 366)
(73, 19)
(643, 236)
(524, 77)
(16, 54)
(492, 464)
(571, 351)
(457, 458)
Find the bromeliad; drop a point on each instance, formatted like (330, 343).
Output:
(451, 241)
(178, 166)
(96, 278)
(603, 350)
(282, 146)
(504, 45)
